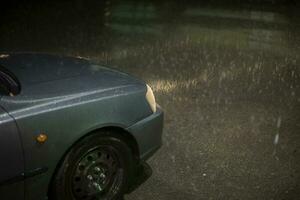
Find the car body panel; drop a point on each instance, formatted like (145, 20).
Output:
(67, 107)
(11, 155)
(45, 76)
(148, 133)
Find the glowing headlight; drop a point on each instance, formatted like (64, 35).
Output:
(150, 98)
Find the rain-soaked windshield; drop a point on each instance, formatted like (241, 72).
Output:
(226, 73)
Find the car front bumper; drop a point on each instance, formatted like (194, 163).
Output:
(148, 133)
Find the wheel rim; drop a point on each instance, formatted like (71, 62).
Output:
(97, 175)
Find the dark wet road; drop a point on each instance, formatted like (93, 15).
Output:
(228, 78)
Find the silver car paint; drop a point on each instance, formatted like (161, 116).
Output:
(68, 107)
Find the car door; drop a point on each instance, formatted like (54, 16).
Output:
(11, 159)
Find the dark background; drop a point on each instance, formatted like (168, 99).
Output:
(226, 73)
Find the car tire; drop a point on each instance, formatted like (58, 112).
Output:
(97, 167)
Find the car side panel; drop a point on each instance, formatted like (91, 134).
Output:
(65, 122)
(148, 133)
(11, 159)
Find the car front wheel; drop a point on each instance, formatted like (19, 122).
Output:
(96, 168)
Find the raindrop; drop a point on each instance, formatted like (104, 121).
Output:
(278, 122)
(276, 139)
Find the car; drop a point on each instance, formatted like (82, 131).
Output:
(71, 129)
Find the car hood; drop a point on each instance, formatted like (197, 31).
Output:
(45, 76)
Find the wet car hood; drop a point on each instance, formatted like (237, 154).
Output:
(35, 68)
(47, 75)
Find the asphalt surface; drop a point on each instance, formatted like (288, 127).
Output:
(228, 78)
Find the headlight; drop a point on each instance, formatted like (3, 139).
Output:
(150, 98)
